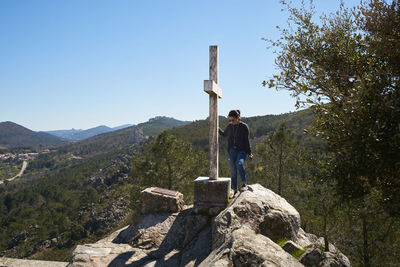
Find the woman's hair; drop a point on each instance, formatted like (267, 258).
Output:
(234, 113)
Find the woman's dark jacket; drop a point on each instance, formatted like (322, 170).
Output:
(238, 136)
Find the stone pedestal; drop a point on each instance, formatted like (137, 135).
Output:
(154, 200)
(211, 194)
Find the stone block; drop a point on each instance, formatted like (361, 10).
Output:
(210, 193)
(154, 200)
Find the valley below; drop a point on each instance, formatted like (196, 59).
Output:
(81, 192)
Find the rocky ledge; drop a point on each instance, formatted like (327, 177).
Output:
(10, 262)
(244, 234)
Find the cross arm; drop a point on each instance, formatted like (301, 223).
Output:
(211, 87)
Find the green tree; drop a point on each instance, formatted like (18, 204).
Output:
(351, 79)
(169, 162)
(346, 67)
(366, 232)
(320, 191)
(277, 152)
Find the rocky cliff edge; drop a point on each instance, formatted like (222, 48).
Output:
(246, 233)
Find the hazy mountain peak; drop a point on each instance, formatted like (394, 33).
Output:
(77, 135)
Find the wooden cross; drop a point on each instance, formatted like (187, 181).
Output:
(215, 92)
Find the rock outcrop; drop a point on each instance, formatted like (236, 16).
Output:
(243, 234)
(110, 215)
(261, 210)
(10, 262)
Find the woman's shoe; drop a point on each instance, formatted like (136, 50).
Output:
(244, 187)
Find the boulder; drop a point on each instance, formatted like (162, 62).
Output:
(320, 243)
(335, 260)
(246, 248)
(305, 239)
(155, 231)
(312, 257)
(262, 210)
(198, 249)
(277, 225)
(154, 202)
(333, 257)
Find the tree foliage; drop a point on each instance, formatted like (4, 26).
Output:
(346, 67)
(277, 152)
(169, 162)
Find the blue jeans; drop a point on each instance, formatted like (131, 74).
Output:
(236, 160)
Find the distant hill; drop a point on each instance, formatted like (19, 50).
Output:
(64, 134)
(107, 142)
(198, 131)
(122, 127)
(77, 135)
(160, 123)
(13, 135)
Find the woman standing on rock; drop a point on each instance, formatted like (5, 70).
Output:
(238, 147)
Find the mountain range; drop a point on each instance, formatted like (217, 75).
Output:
(13, 135)
(79, 134)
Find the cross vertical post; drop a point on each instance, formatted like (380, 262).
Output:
(212, 88)
(213, 191)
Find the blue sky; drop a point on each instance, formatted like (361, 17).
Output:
(79, 64)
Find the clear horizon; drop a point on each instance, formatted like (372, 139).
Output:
(81, 64)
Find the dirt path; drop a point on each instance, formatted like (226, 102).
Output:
(24, 165)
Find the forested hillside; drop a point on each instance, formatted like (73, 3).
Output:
(197, 132)
(66, 200)
(13, 135)
(74, 193)
(81, 191)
